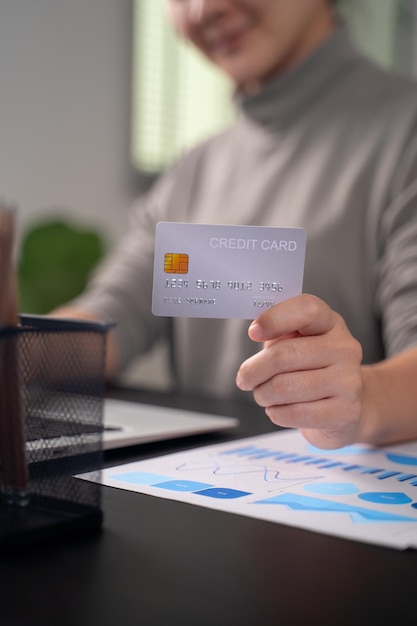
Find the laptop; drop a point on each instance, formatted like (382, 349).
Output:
(129, 423)
(124, 424)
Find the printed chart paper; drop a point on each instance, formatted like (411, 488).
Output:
(357, 492)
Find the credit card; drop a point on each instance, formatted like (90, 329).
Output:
(225, 271)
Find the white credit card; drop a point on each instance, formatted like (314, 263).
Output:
(225, 271)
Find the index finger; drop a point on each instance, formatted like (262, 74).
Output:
(304, 314)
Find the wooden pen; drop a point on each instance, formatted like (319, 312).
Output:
(13, 457)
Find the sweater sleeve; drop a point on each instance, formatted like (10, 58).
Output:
(397, 267)
(120, 290)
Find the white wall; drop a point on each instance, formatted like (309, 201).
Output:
(64, 109)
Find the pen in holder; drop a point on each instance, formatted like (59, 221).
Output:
(14, 468)
(13, 457)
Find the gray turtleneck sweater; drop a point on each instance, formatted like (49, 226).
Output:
(330, 146)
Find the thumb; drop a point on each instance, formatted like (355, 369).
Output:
(304, 314)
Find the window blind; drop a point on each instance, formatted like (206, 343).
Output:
(178, 98)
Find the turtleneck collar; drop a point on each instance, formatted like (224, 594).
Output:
(281, 101)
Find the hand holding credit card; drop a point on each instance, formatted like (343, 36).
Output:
(225, 271)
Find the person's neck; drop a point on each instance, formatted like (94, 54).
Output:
(285, 98)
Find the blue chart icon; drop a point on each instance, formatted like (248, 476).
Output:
(336, 489)
(402, 459)
(386, 497)
(357, 514)
(223, 493)
(140, 478)
(182, 485)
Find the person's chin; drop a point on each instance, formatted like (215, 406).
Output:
(239, 72)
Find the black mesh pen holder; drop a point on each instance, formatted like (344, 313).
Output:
(51, 424)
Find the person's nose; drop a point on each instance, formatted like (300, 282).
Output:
(195, 9)
(199, 10)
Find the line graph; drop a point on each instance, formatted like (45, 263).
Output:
(260, 475)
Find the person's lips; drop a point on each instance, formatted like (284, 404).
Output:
(228, 42)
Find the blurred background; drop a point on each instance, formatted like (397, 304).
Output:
(97, 97)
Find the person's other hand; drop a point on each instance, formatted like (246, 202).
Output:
(308, 374)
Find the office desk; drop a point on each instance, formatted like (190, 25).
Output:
(157, 562)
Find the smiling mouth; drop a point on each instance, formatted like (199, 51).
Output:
(228, 43)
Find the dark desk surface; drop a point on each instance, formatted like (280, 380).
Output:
(159, 562)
